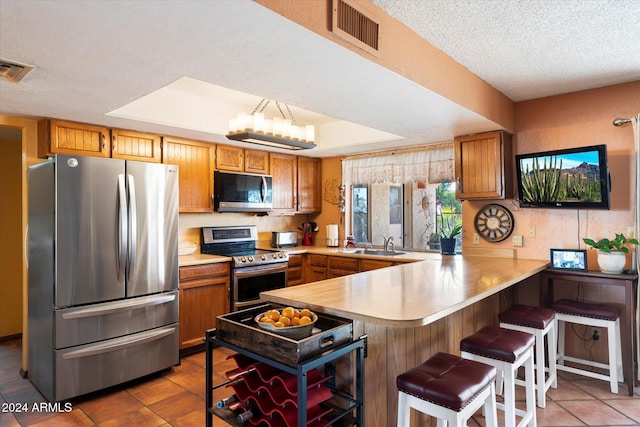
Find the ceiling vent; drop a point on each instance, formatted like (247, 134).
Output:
(350, 23)
(12, 71)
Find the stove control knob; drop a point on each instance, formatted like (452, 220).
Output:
(263, 257)
(274, 256)
(281, 255)
(243, 259)
(250, 259)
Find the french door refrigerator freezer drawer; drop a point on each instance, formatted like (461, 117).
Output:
(91, 367)
(97, 322)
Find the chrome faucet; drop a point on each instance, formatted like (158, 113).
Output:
(388, 243)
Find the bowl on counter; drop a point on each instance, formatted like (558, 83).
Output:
(297, 332)
(186, 248)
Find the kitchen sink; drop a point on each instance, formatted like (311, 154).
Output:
(378, 252)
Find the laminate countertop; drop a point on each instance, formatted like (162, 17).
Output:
(411, 294)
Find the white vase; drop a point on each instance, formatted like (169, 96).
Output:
(611, 262)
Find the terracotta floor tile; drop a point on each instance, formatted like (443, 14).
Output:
(602, 390)
(140, 417)
(155, 390)
(194, 381)
(178, 405)
(596, 413)
(75, 418)
(567, 390)
(629, 407)
(104, 407)
(197, 419)
(7, 419)
(555, 415)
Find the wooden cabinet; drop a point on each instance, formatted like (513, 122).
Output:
(204, 294)
(195, 162)
(131, 145)
(63, 137)
(484, 166)
(316, 268)
(374, 264)
(256, 161)
(284, 168)
(309, 185)
(294, 272)
(342, 266)
(229, 158)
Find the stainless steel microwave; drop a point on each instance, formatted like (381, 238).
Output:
(242, 192)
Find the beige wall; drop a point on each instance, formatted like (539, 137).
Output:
(564, 121)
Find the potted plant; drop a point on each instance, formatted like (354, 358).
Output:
(611, 253)
(448, 235)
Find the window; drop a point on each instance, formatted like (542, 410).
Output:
(413, 214)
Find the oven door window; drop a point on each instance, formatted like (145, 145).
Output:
(249, 284)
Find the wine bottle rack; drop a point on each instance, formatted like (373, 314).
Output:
(278, 395)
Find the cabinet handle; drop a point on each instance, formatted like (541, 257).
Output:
(104, 140)
(114, 146)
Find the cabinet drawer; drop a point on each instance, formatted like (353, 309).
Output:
(344, 263)
(318, 260)
(370, 264)
(295, 260)
(205, 270)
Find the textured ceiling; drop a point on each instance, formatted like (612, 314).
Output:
(532, 48)
(94, 57)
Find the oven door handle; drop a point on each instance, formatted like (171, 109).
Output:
(241, 273)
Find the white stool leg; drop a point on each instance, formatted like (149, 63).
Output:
(403, 410)
(530, 389)
(489, 408)
(539, 368)
(619, 351)
(552, 345)
(509, 398)
(613, 357)
(560, 329)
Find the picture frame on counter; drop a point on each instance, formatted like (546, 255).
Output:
(568, 259)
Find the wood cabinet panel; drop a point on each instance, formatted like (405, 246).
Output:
(342, 266)
(256, 161)
(483, 166)
(130, 145)
(309, 185)
(285, 188)
(374, 264)
(294, 272)
(195, 162)
(229, 158)
(204, 295)
(64, 137)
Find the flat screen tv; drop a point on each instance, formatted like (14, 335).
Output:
(573, 178)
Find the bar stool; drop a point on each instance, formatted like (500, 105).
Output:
(598, 315)
(507, 350)
(448, 388)
(538, 321)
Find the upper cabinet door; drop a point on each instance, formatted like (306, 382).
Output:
(130, 145)
(229, 158)
(195, 162)
(256, 161)
(284, 171)
(483, 165)
(63, 137)
(309, 185)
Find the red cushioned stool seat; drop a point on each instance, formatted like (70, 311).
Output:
(541, 323)
(449, 388)
(595, 315)
(507, 350)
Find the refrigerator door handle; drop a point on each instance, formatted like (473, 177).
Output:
(133, 226)
(120, 343)
(122, 227)
(118, 306)
(263, 189)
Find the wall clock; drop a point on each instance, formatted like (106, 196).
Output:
(493, 223)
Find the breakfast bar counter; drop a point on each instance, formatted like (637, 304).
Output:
(411, 311)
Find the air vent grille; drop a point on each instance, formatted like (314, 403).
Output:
(354, 26)
(12, 71)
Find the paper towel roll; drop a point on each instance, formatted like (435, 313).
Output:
(332, 235)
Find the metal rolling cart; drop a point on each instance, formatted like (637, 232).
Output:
(341, 415)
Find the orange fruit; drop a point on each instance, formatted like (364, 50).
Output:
(305, 320)
(278, 325)
(284, 320)
(305, 312)
(265, 319)
(273, 314)
(295, 321)
(288, 312)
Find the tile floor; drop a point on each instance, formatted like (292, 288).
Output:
(175, 397)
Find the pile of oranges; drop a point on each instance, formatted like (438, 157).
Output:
(289, 316)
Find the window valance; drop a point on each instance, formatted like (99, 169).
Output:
(432, 163)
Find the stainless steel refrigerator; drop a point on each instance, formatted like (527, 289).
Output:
(103, 273)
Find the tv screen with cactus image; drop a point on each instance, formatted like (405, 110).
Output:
(572, 178)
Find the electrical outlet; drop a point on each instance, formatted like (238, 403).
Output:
(517, 241)
(476, 239)
(595, 334)
(630, 232)
(532, 231)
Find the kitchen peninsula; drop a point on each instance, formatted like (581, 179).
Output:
(412, 311)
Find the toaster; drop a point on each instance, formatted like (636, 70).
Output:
(284, 239)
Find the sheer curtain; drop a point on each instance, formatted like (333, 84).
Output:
(431, 163)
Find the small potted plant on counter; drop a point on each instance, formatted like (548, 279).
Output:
(611, 253)
(448, 235)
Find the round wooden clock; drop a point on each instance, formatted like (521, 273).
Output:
(493, 223)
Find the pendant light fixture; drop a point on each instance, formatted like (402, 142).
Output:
(280, 132)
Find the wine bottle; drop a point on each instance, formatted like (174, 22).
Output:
(226, 401)
(244, 416)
